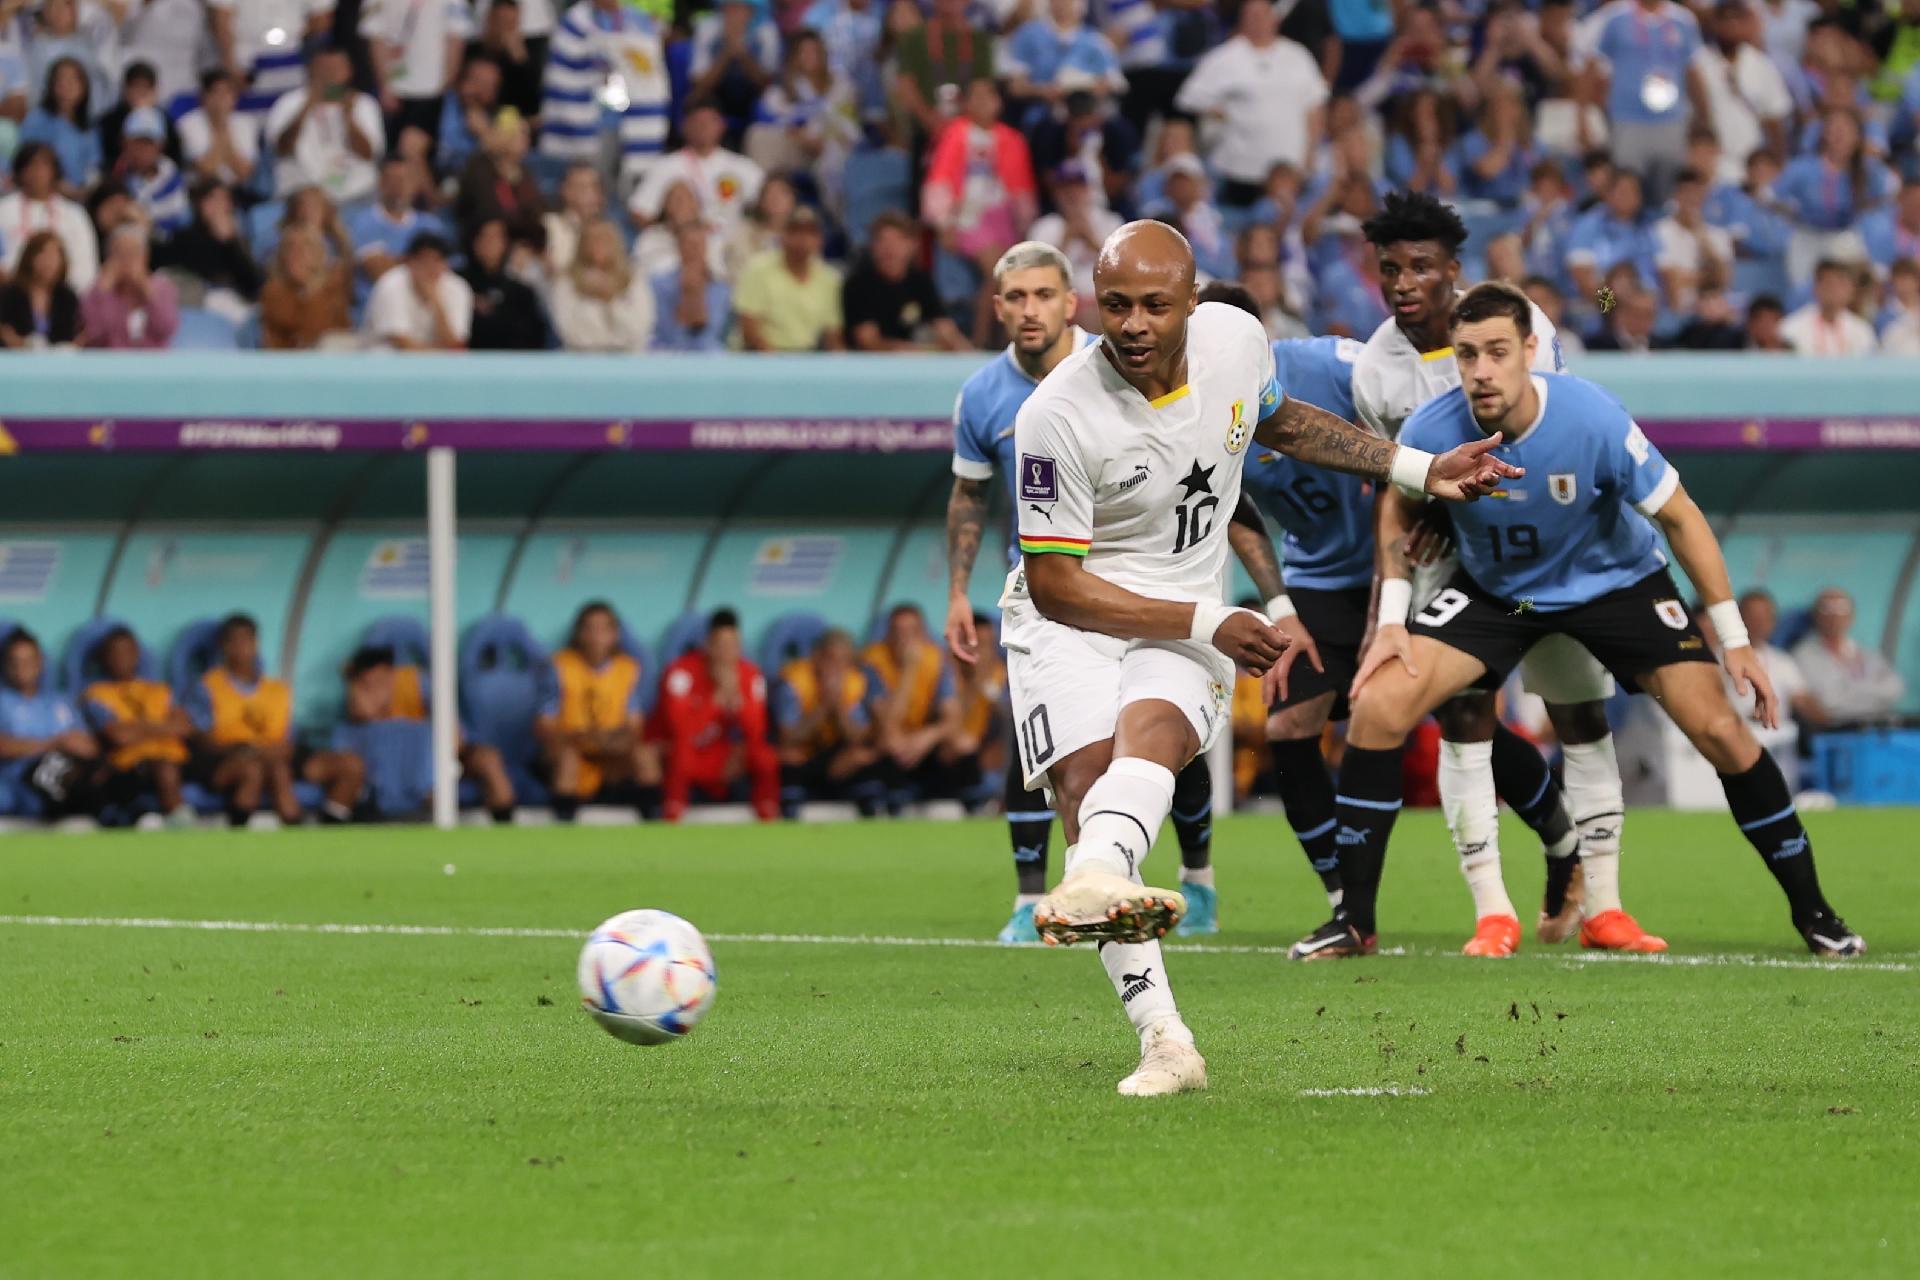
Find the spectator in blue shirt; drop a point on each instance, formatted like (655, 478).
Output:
(64, 121)
(1893, 233)
(1189, 206)
(692, 306)
(1827, 192)
(153, 180)
(1420, 145)
(44, 746)
(1032, 59)
(1612, 233)
(1643, 51)
(1549, 227)
(1495, 160)
(467, 110)
(382, 230)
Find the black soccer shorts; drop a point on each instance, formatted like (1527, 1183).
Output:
(1337, 621)
(1631, 631)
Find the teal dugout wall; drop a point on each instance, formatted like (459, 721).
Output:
(317, 544)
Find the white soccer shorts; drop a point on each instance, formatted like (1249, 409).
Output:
(1068, 686)
(1558, 669)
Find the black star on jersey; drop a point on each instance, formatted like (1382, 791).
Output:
(1197, 481)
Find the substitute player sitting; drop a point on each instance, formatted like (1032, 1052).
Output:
(713, 719)
(1120, 650)
(590, 728)
(825, 735)
(144, 729)
(915, 709)
(1575, 555)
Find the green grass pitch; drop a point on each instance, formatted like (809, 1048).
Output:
(181, 1102)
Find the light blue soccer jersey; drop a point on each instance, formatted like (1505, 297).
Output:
(1327, 515)
(1572, 529)
(983, 429)
(43, 715)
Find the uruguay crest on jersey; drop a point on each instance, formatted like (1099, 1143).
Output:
(1563, 488)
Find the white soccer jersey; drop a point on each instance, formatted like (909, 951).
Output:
(1392, 377)
(1144, 489)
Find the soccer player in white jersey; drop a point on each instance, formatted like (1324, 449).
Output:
(1120, 652)
(1407, 362)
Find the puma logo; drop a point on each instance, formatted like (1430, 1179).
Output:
(1352, 835)
(1134, 984)
(1040, 510)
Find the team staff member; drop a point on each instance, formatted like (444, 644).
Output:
(590, 729)
(379, 688)
(825, 735)
(43, 745)
(144, 729)
(244, 747)
(915, 708)
(713, 720)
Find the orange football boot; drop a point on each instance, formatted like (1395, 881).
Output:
(1618, 931)
(1494, 936)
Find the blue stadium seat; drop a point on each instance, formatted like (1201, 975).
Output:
(683, 635)
(251, 336)
(194, 650)
(877, 179)
(791, 636)
(8, 626)
(77, 666)
(504, 675)
(203, 330)
(263, 230)
(642, 652)
(406, 636)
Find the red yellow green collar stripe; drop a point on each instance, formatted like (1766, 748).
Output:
(1054, 546)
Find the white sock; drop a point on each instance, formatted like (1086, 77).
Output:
(1197, 875)
(1598, 809)
(1122, 815)
(1473, 816)
(1139, 976)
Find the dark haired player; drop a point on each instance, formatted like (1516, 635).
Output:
(1576, 557)
(1406, 363)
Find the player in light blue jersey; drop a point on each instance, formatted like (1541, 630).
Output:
(1325, 588)
(1035, 302)
(1568, 548)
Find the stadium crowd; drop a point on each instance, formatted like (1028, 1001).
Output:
(606, 175)
(882, 725)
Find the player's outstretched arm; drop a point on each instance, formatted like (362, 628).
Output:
(1311, 434)
(1063, 590)
(1699, 554)
(966, 520)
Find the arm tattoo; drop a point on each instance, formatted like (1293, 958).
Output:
(1248, 536)
(1301, 431)
(966, 517)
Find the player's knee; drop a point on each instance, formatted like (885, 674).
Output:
(1579, 722)
(1467, 719)
(1722, 736)
(1380, 715)
(349, 767)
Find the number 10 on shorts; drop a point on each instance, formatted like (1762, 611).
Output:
(1036, 737)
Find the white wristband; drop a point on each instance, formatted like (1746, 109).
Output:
(1396, 601)
(1281, 606)
(1731, 627)
(1410, 467)
(1207, 619)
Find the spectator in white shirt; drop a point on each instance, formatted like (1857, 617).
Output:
(327, 135)
(1692, 253)
(166, 35)
(261, 43)
(1077, 228)
(1267, 97)
(601, 303)
(726, 182)
(420, 305)
(1853, 683)
(1900, 317)
(1747, 97)
(216, 140)
(583, 200)
(1828, 326)
(35, 204)
(417, 47)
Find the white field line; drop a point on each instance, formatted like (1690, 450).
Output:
(879, 940)
(1369, 1091)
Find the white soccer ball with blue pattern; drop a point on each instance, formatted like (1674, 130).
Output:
(647, 977)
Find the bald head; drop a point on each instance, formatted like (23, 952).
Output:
(1143, 283)
(1146, 249)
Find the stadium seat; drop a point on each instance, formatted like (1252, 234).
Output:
(8, 626)
(263, 230)
(77, 666)
(877, 179)
(791, 636)
(683, 635)
(203, 330)
(642, 652)
(504, 676)
(194, 650)
(406, 636)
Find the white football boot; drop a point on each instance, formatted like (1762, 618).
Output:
(1167, 1065)
(1097, 904)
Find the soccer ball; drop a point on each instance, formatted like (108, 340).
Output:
(647, 977)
